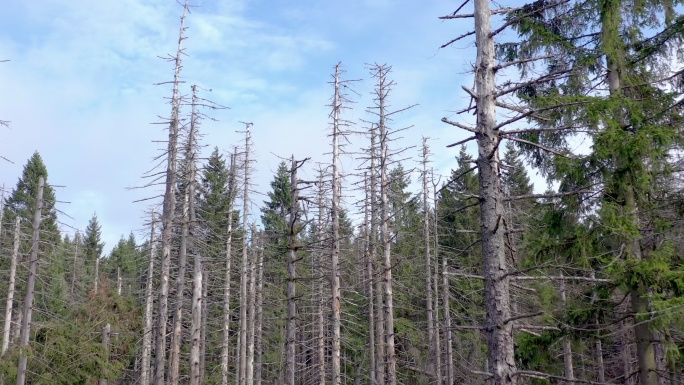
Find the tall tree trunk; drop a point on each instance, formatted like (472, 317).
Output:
(149, 299)
(225, 343)
(258, 370)
(381, 92)
(432, 353)
(380, 358)
(335, 256)
(168, 211)
(30, 287)
(320, 304)
(203, 325)
(498, 327)
(251, 311)
(242, 342)
(191, 225)
(10, 288)
(369, 285)
(449, 369)
(292, 281)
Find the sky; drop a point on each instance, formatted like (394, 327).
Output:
(79, 87)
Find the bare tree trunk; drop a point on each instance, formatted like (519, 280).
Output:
(203, 325)
(379, 302)
(242, 343)
(30, 287)
(381, 92)
(446, 299)
(433, 367)
(10, 289)
(11, 284)
(335, 257)
(438, 326)
(118, 280)
(292, 280)
(149, 299)
(320, 305)
(189, 225)
(225, 343)
(106, 333)
(260, 311)
(370, 276)
(168, 211)
(251, 312)
(499, 328)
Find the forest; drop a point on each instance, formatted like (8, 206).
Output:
(385, 273)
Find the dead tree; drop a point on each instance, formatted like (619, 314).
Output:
(169, 208)
(145, 371)
(433, 351)
(197, 281)
(244, 273)
(335, 255)
(30, 287)
(294, 227)
(10, 288)
(225, 343)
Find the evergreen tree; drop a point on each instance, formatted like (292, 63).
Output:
(274, 213)
(92, 245)
(22, 202)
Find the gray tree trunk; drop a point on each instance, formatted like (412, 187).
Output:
(499, 329)
(335, 257)
(106, 334)
(198, 277)
(382, 89)
(10, 288)
(258, 370)
(290, 339)
(251, 312)
(30, 287)
(225, 343)
(149, 299)
(168, 211)
(379, 298)
(433, 354)
(370, 276)
(244, 273)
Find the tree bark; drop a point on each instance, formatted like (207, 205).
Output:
(380, 359)
(292, 281)
(498, 328)
(381, 92)
(244, 277)
(369, 286)
(106, 333)
(258, 362)
(225, 343)
(149, 299)
(168, 211)
(335, 256)
(30, 287)
(433, 366)
(11, 284)
(198, 276)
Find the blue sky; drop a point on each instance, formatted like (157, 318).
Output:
(79, 86)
